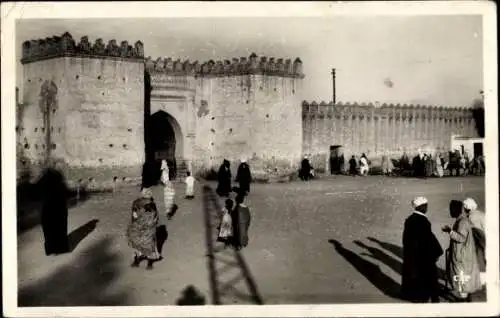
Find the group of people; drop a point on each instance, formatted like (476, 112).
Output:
(465, 256)
(224, 177)
(144, 234)
(457, 164)
(236, 217)
(363, 165)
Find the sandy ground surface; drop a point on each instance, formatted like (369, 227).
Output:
(334, 240)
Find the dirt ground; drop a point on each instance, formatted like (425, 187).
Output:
(334, 240)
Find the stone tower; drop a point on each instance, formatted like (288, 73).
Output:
(83, 103)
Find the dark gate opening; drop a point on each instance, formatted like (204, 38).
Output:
(161, 142)
(478, 149)
(336, 159)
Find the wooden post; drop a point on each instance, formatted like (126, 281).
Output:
(334, 97)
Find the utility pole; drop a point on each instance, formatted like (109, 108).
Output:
(334, 99)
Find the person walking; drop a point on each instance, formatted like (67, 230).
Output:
(189, 181)
(226, 225)
(141, 231)
(224, 179)
(461, 265)
(479, 232)
(244, 176)
(387, 165)
(305, 169)
(54, 209)
(364, 165)
(240, 218)
(168, 188)
(421, 251)
(438, 164)
(352, 166)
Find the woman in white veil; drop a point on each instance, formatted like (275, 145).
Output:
(168, 188)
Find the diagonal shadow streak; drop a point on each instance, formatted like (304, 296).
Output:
(369, 270)
(398, 251)
(210, 246)
(212, 211)
(396, 265)
(378, 254)
(76, 236)
(394, 249)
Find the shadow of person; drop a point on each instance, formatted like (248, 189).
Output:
(190, 296)
(378, 254)
(394, 249)
(397, 266)
(76, 236)
(85, 281)
(172, 213)
(161, 237)
(371, 272)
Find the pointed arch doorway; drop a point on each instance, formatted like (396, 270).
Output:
(164, 140)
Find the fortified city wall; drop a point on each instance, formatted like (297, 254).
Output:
(391, 129)
(244, 107)
(98, 101)
(99, 95)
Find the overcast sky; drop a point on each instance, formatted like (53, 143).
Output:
(433, 60)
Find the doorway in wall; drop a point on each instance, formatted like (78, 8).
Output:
(478, 149)
(162, 141)
(336, 159)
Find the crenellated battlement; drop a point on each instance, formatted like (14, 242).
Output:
(65, 45)
(234, 67)
(388, 110)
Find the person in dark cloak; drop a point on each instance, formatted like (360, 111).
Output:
(454, 164)
(240, 217)
(421, 251)
(429, 167)
(55, 193)
(341, 164)
(405, 163)
(305, 169)
(418, 166)
(244, 176)
(150, 174)
(224, 179)
(352, 166)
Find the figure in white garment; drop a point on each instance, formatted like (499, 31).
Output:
(364, 165)
(189, 181)
(168, 189)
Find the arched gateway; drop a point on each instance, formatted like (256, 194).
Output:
(169, 106)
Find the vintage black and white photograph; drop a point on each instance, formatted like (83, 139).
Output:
(191, 160)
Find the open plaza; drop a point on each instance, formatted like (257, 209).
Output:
(333, 240)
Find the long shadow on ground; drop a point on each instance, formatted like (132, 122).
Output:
(396, 265)
(76, 236)
(232, 259)
(29, 205)
(84, 282)
(369, 270)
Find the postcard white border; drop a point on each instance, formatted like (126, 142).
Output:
(37, 10)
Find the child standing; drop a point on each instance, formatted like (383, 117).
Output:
(189, 185)
(226, 224)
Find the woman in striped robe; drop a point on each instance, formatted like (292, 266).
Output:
(141, 232)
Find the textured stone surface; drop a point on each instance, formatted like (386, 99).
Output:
(98, 122)
(375, 130)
